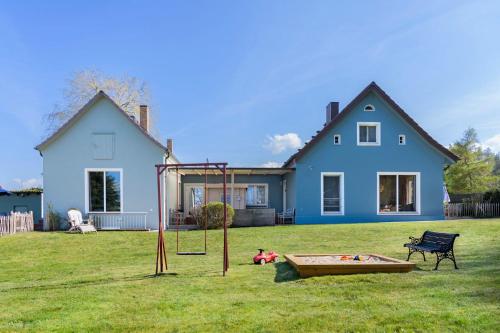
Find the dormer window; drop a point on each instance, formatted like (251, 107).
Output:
(336, 139)
(402, 139)
(369, 108)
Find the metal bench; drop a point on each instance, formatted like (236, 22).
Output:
(439, 243)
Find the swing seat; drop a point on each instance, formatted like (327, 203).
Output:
(191, 253)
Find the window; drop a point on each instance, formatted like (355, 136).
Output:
(197, 198)
(402, 139)
(332, 193)
(398, 193)
(336, 139)
(257, 195)
(369, 134)
(103, 190)
(103, 146)
(369, 108)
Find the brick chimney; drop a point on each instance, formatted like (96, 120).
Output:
(144, 117)
(170, 145)
(332, 110)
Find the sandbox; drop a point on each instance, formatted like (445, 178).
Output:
(334, 264)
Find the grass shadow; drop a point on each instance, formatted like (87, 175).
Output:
(285, 273)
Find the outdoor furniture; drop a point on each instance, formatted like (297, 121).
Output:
(439, 243)
(78, 224)
(288, 214)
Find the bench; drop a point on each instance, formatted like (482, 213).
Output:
(439, 243)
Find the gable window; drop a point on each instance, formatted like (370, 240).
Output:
(398, 193)
(103, 146)
(103, 190)
(402, 139)
(368, 134)
(336, 139)
(369, 108)
(332, 193)
(256, 195)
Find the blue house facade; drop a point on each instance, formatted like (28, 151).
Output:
(371, 162)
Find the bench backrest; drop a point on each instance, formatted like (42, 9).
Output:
(443, 241)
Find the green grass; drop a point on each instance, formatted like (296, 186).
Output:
(103, 282)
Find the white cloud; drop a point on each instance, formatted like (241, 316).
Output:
(278, 143)
(27, 183)
(271, 164)
(493, 143)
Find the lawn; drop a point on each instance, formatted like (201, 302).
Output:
(103, 282)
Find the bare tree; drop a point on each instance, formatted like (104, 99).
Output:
(128, 92)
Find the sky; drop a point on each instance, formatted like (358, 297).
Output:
(247, 82)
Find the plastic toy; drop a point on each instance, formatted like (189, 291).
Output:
(262, 258)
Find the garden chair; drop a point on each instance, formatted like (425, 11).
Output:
(288, 214)
(78, 224)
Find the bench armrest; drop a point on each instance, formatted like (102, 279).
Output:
(415, 240)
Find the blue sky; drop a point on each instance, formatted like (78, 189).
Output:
(248, 81)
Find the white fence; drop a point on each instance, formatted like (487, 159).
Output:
(120, 221)
(16, 222)
(483, 209)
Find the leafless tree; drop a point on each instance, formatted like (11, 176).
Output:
(127, 91)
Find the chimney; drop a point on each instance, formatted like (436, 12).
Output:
(144, 117)
(332, 110)
(170, 145)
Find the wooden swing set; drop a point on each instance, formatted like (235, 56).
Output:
(161, 253)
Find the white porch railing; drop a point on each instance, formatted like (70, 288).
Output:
(120, 221)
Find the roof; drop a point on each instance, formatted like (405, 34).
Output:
(100, 95)
(372, 87)
(236, 170)
(27, 191)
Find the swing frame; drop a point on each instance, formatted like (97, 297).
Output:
(161, 253)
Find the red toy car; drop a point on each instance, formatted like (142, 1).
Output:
(262, 258)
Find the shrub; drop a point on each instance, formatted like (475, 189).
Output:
(492, 196)
(214, 211)
(54, 219)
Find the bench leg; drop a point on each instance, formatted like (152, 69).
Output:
(453, 258)
(446, 255)
(410, 252)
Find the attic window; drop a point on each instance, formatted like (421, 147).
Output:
(369, 108)
(103, 146)
(402, 139)
(336, 139)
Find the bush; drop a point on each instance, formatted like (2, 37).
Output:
(492, 196)
(214, 212)
(54, 219)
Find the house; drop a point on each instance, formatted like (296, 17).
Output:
(370, 162)
(25, 200)
(101, 162)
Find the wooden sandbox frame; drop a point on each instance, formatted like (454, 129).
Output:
(388, 265)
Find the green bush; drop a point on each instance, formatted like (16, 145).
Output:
(53, 218)
(214, 213)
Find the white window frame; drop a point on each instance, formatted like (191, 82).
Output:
(402, 139)
(417, 192)
(377, 133)
(87, 196)
(266, 195)
(367, 106)
(341, 212)
(337, 136)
